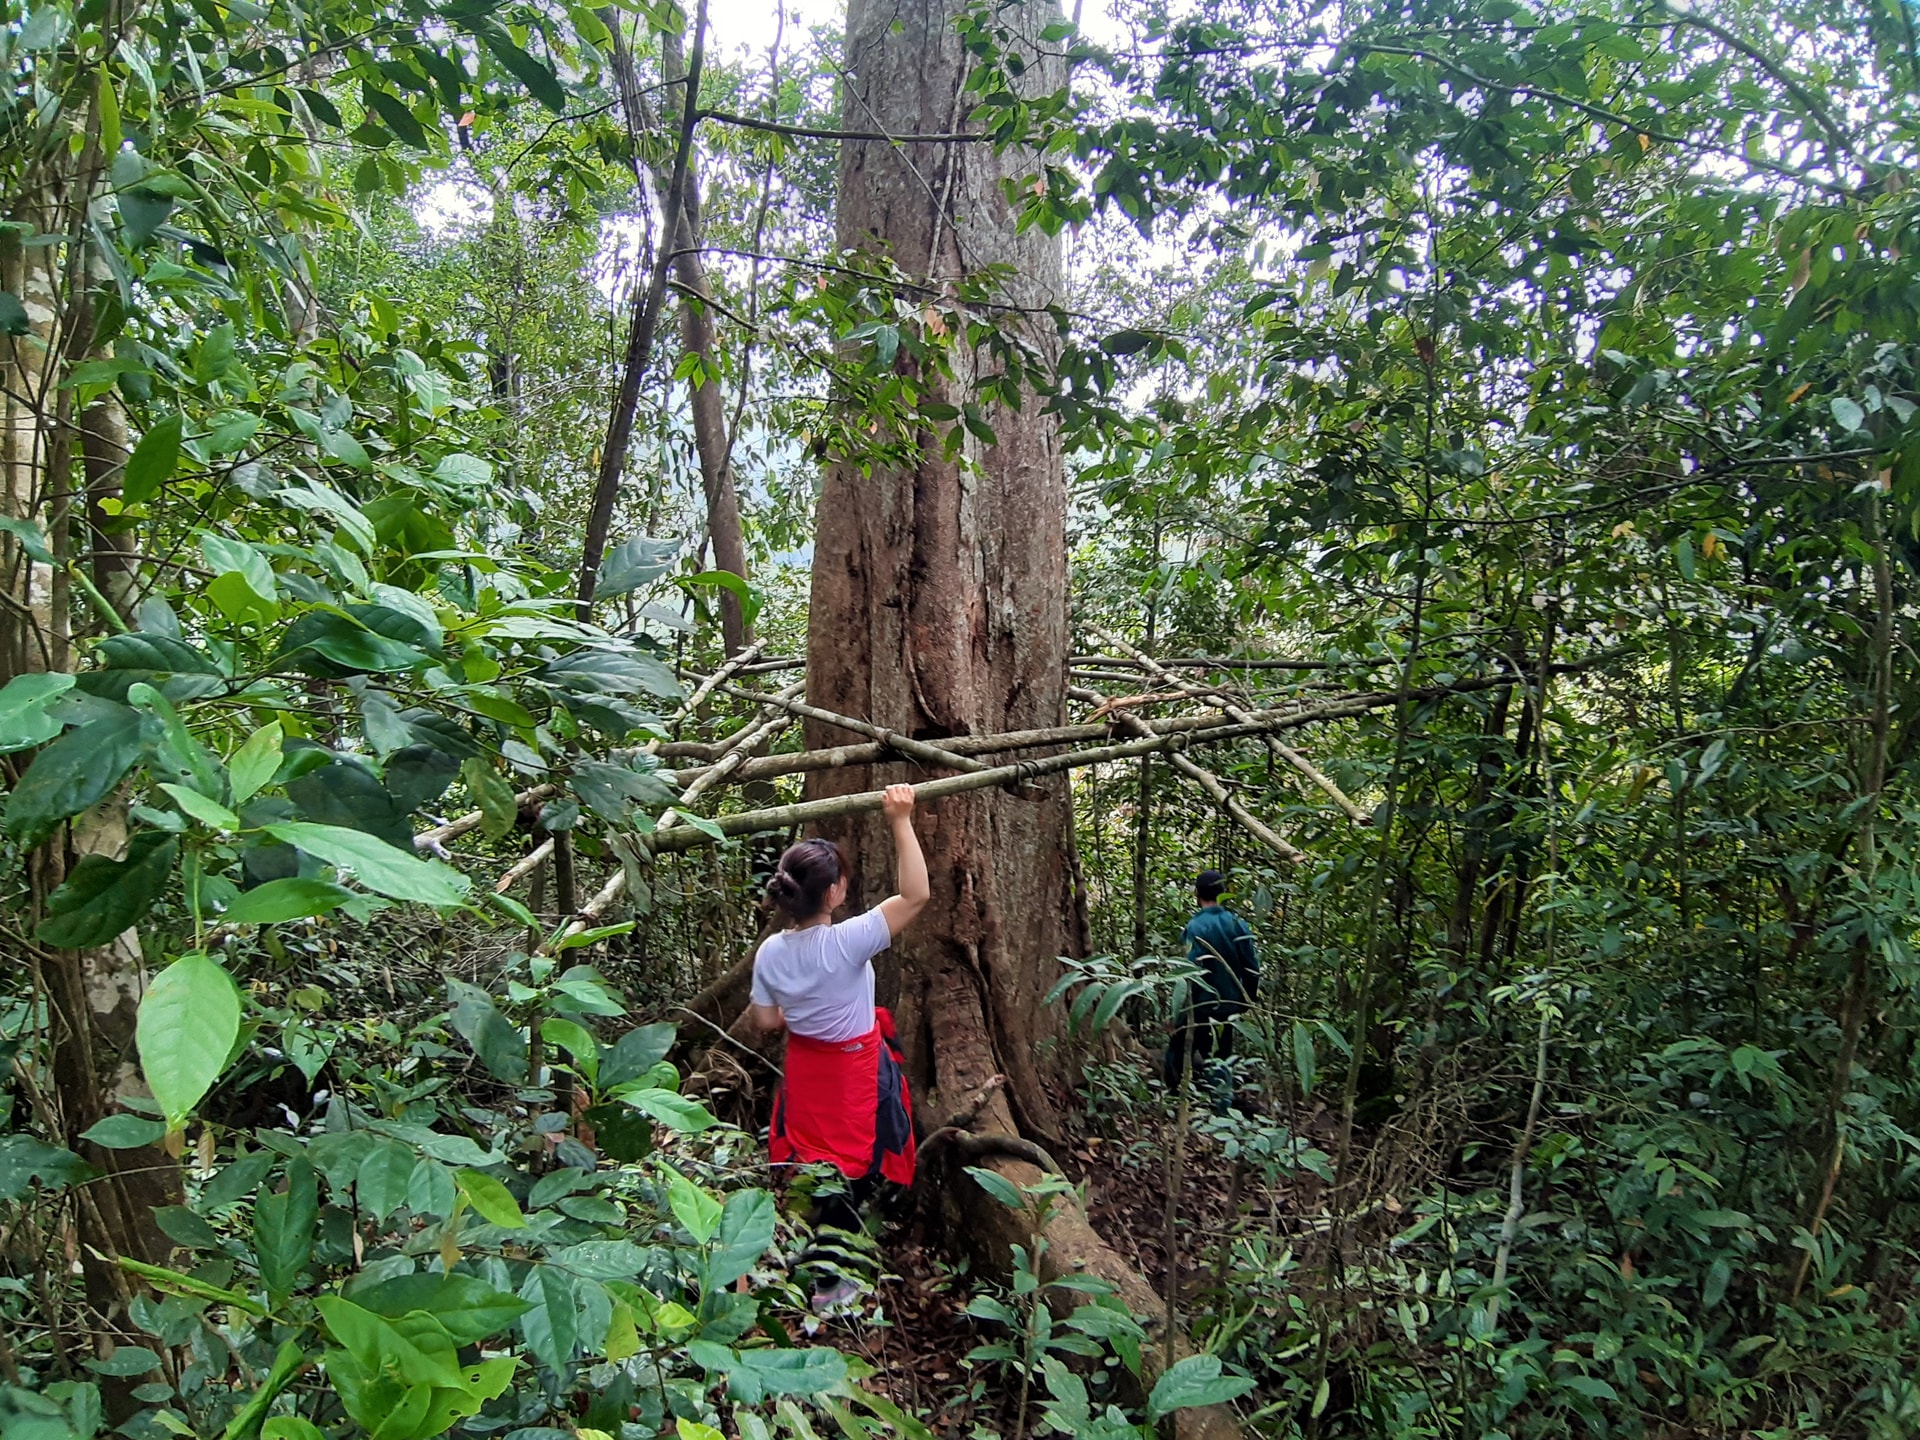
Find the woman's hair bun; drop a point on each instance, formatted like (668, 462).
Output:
(806, 872)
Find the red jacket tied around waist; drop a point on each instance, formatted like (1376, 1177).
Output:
(846, 1102)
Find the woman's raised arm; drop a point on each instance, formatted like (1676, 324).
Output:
(910, 864)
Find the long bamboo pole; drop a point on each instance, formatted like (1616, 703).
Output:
(1211, 783)
(891, 739)
(1286, 752)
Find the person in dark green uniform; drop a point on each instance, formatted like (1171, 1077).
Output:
(1221, 945)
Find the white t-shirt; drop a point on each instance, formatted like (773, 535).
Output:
(822, 976)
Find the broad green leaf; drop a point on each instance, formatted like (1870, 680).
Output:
(998, 1186)
(535, 74)
(24, 705)
(125, 1132)
(283, 1230)
(26, 1162)
(30, 536)
(1196, 1380)
(380, 1185)
(153, 460)
(377, 865)
(1848, 414)
(294, 898)
(500, 1046)
(637, 1052)
(550, 1325)
(255, 762)
(493, 796)
(290, 1427)
(693, 1207)
(188, 1021)
(746, 1230)
(75, 772)
(634, 563)
(577, 1041)
(101, 898)
(676, 1112)
(468, 1309)
(490, 1200)
(198, 807)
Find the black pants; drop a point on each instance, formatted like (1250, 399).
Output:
(839, 1209)
(1211, 1038)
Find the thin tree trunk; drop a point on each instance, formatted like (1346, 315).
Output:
(1858, 996)
(710, 437)
(646, 320)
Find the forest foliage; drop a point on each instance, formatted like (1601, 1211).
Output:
(1546, 372)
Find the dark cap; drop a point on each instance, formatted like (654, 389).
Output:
(1208, 884)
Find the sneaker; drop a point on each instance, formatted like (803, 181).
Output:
(830, 1297)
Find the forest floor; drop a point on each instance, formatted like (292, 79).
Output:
(915, 1330)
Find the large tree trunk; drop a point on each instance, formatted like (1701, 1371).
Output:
(940, 593)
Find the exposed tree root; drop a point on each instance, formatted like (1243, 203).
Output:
(963, 1064)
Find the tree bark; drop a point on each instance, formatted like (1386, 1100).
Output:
(939, 591)
(710, 437)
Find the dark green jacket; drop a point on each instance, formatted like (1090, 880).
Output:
(1219, 942)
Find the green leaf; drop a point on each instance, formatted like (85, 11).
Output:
(637, 1052)
(255, 762)
(469, 1310)
(32, 539)
(577, 1041)
(75, 772)
(283, 1230)
(290, 1427)
(333, 645)
(494, 797)
(490, 1200)
(694, 1208)
(1195, 1380)
(25, 720)
(536, 75)
(196, 806)
(189, 1019)
(494, 1039)
(746, 1230)
(380, 1185)
(377, 865)
(633, 563)
(126, 1360)
(293, 898)
(101, 898)
(240, 602)
(1304, 1063)
(153, 460)
(125, 1132)
(998, 1186)
(1848, 414)
(13, 315)
(1683, 556)
(142, 213)
(549, 1326)
(676, 1112)
(185, 1228)
(25, 1162)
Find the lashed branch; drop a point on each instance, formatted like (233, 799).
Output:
(524, 866)
(1165, 737)
(430, 840)
(1210, 783)
(1286, 752)
(891, 739)
(719, 677)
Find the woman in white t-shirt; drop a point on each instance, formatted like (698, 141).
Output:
(844, 1099)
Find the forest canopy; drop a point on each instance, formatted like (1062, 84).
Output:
(478, 479)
